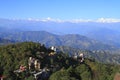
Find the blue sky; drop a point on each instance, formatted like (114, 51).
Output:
(62, 9)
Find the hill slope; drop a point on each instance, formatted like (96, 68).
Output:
(49, 39)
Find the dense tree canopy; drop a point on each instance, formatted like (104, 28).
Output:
(61, 66)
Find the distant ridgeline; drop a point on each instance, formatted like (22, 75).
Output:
(104, 56)
(29, 61)
(6, 41)
(71, 40)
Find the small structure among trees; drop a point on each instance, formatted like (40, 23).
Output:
(53, 50)
(79, 57)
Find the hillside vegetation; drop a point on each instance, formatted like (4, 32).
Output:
(59, 65)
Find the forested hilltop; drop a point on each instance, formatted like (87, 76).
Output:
(53, 65)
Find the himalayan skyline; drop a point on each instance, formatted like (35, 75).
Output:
(99, 20)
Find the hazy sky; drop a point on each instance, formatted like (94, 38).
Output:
(62, 9)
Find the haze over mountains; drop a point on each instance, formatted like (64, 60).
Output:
(71, 40)
(94, 33)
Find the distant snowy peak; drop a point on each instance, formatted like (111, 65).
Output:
(101, 20)
(108, 20)
(49, 19)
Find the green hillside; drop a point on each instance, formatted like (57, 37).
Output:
(57, 66)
